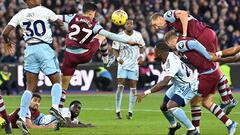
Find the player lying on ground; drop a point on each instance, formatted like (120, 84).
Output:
(184, 88)
(83, 39)
(70, 114)
(32, 115)
(208, 77)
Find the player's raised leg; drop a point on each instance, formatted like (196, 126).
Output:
(104, 52)
(71, 61)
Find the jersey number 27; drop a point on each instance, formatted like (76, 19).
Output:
(77, 31)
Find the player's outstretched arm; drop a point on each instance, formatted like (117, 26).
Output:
(182, 15)
(186, 45)
(159, 86)
(115, 37)
(60, 24)
(70, 124)
(229, 59)
(229, 52)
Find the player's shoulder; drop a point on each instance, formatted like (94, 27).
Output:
(21, 12)
(172, 56)
(43, 8)
(182, 45)
(122, 33)
(137, 33)
(169, 16)
(65, 110)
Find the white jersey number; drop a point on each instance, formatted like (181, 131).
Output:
(37, 26)
(77, 31)
(184, 66)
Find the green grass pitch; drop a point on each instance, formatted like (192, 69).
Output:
(99, 109)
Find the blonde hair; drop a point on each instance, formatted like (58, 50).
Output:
(155, 16)
(170, 35)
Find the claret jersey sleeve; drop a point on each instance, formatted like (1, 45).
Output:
(169, 16)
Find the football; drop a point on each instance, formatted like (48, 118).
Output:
(119, 17)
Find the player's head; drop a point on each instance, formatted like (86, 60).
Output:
(171, 38)
(89, 9)
(161, 51)
(129, 25)
(75, 108)
(32, 3)
(157, 21)
(35, 102)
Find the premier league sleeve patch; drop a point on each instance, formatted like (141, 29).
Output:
(169, 16)
(182, 46)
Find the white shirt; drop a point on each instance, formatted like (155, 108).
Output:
(67, 114)
(35, 23)
(129, 54)
(180, 72)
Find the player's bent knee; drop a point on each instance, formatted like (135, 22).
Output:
(177, 101)
(163, 107)
(173, 109)
(100, 38)
(172, 104)
(207, 104)
(55, 78)
(196, 101)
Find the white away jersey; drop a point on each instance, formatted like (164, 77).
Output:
(35, 23)
(67, 114)
(129, 54)
(180, 72)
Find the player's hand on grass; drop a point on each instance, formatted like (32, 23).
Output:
(9, 48)
(140, 96)
(90, 125)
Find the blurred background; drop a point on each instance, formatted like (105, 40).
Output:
(222, 15)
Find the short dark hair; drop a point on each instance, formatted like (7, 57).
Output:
(75, 102)
(89, 7)
(162, 46)
(169, 35)
(36, 95)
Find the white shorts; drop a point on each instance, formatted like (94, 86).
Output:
(186, 92)
(128, 74)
